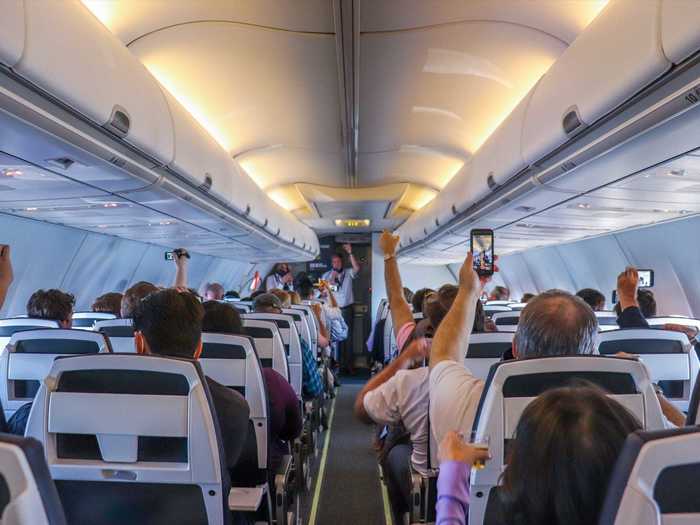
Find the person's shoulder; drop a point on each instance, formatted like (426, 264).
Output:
(220, 393)
(451, 374)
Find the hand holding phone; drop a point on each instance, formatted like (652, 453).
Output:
(646, 278)
(482, 249)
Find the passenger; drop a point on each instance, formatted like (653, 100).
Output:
(52, 304)
(559, 464)
(285, 412)
(169, 323)
(294, 298)
(256, 294)
(593, 298)
(526, 297)
(312, 385)
(109, 303)
(555, 323)
(499, 293)
(280, 278)
(398, 395)
(6, 274)
(407, 294)
(213, 292)
(306, 293)
(342, 278)
(283, 296)
(419, 298)
(133, 296)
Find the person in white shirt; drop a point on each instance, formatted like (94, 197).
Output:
(341, 278)
(280, 278)
(554, 323)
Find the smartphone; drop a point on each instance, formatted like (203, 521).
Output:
(169, 256)
(180, 252)
(482, 251)
(614, 297)
(646, 278)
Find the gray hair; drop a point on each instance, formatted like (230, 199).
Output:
(556, 323)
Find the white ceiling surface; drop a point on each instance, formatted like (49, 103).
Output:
(435, 77)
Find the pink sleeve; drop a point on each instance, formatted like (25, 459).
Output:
(404, 333)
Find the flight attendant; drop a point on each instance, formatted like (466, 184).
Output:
(341, 278)
(280, 278)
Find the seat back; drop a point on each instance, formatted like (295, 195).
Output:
(390, 347)
(268, 345)
(17, 324)
(485, 350)
(231, 361)
(499, 303)
(506, 321)
(119, 334)
(29, 356)
(302, 325)
(655, 480)
(671, 360)
(311, 321)
(683, 321)
(517, 307)
(693, 417)
(28, 494)
(86, 320)
(382, 309)
(492, 309)
(132, 439)
(606, 321)
(512, 385)
(292, 344)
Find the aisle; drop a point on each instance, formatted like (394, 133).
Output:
(351, 492)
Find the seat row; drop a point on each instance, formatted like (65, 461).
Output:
(30, 360)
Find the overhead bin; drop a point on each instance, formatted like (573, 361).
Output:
(618, 54)
(680, 28)
(12, 31)
(72, 56)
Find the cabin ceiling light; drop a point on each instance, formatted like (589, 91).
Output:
(9, 172)
(352, 223)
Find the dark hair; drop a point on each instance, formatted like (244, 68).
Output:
(647, 303)
(555, 323)
(479, 319)
(108, 303)
(500, 293)
(407, 294)
(221, 318)
(51, 304)
(438, 304)
(593, 298)
(171, 322)
(304, 285)
(232, 294)
(527, 297)
(566, 444)
(419, 297)
(267, 302)
(256, 293)
(133, 296)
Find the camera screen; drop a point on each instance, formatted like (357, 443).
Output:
(169, 256)
(646, 278)
(482, 252)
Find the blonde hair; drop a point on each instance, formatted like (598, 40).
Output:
(283, 296)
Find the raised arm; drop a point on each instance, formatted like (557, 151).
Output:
(181, 259)
(331, 298)
(398, 307)
(452, 336)
(355, 265)
(6, 274)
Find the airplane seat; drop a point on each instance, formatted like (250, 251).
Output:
(668, 355)
(491, 309)
(506, 321)
(486, 349)
(28, 495)
(292, 345)
(390, 348)
(86, 320)
(655, 480)
(693, 416)
(29, 356)
(424, 488)
(512, 385)
(310, 318)
(8, 327)
(268, 345)
(231, 361)
(606, 321)
(119, 334)
(517, 307)
(302, 326)
(151, 450)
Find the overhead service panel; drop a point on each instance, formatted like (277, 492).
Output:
(12, 31)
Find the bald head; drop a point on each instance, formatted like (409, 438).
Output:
(555, 323)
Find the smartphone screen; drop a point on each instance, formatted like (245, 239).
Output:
(646, 278)
(482, 251)
(168, 256)
(614, 297)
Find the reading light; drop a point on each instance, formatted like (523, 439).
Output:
(352, 223)
(11, 173)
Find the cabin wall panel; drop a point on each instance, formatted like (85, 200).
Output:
(89, 264)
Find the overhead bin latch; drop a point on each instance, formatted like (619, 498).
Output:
(119, 123)
(571, 122)
(206, 185)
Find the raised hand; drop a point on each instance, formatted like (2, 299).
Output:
(388, 243)
(348, 248)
